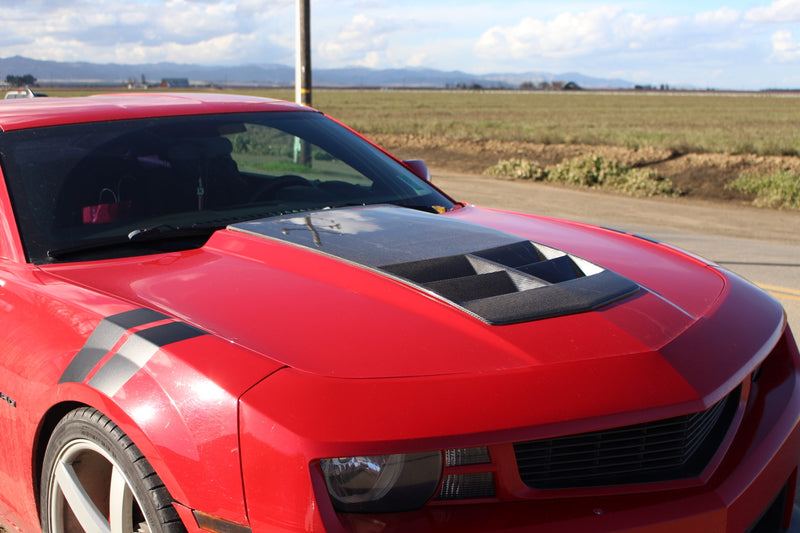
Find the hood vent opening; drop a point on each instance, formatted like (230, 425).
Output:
(517, 282)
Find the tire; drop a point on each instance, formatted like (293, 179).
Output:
(95, 480)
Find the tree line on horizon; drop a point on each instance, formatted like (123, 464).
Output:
(28, 80)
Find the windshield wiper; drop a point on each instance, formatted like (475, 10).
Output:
(151, 234)
(167, 231)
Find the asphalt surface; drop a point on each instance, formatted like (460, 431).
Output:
(761, 245)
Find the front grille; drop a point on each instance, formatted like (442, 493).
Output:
(662, 450)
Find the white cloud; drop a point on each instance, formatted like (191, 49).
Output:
(371, 60)
(781, 11)
(785, 47)
(612, 35)
(418, 59)
(663, 41)
(361, 42)
(721, 17)
(205, 31)
(581, 34)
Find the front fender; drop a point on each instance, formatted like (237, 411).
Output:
(178, 402)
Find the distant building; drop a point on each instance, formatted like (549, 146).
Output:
(175, 82)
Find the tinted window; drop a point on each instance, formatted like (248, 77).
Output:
(85, 191)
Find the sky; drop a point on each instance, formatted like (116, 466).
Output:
(723, 44)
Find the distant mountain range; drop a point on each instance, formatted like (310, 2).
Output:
(83, 73)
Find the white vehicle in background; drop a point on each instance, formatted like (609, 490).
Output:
(22, 93)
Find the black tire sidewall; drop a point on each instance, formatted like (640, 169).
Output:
(91, 425)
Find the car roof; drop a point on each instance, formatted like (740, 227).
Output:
(21, 113)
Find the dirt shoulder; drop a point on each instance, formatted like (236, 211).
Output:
(728, 219)
(707, 206)
(698, 176)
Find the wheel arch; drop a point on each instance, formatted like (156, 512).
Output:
(191, 440)
(117, 415)
(181, 411)
(107, 477)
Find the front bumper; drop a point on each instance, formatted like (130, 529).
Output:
(758, 465)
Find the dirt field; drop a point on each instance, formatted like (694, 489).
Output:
(700, 176)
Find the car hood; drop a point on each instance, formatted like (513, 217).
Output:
(385, 292)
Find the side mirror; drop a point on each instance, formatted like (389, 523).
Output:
(419, 168)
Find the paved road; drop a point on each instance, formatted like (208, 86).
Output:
(758, 244)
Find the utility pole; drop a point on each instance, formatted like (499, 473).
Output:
(302, 81)
(302, 75)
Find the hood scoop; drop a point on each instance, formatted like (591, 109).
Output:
(488, 273)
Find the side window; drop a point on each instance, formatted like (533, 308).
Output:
(269, 152)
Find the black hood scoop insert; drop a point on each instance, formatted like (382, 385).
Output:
(488, 273)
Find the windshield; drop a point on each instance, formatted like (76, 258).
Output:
(95, 190)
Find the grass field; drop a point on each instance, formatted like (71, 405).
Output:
(736, 123)
(683, 122)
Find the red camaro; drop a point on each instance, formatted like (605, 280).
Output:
(236, 315)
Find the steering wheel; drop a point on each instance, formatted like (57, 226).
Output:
(267, 192)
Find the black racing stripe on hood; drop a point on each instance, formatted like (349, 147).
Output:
(488, 273)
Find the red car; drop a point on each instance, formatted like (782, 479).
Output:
(236, 315)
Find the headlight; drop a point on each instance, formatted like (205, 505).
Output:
(382, 483)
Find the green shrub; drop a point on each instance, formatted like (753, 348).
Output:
(590, 171)
(587, 171)
(777, 189)
(646, 182)
(521, 169)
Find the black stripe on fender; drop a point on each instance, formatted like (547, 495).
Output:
(136, 352)
(107, 333)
